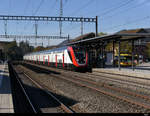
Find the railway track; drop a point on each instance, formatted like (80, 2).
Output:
(85, 83)
(124, 78)
(62, 105)
(55, 105)
(127, 96)
(18, 87)
(104, 78)
(141, 78)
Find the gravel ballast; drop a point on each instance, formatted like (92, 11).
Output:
(86, 100)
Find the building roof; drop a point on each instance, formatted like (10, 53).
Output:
(83, 37)
(129, 31)
(64, 42)
(96, 40)
(141, 33)
(140, 30)
(79, 38)
(123, 35)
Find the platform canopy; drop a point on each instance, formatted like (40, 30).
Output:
(96, 41)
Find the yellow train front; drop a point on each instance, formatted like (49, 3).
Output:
(125, 60)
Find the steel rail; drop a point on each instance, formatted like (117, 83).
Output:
(108, 93)
(24, 91)
(122, 75)
(112, 88)
(106, 85)
(138, 84)
(64, 107)
(114, 80)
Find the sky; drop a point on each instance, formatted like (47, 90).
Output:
(113, 16)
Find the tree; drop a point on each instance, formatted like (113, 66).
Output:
(12, 51)
(25, 47)
(102, 34)
(39, 48)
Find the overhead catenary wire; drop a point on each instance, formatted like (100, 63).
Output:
(26, 6)
(52, 7)
(61, 14)
(65, 3)
(107, 11)
(116, 8)
(37, 9)
(104, 9)
(39, 6)
(82, 7)
(125, 10)
(9, 9)
(129, 22)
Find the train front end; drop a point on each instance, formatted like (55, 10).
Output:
(79, 57)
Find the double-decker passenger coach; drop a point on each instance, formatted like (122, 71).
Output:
(68, 57)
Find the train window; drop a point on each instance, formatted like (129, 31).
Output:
(46, 60)
(80, 55)
(59, 61)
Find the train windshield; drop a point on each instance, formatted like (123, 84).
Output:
(126, 59)
(80, 55)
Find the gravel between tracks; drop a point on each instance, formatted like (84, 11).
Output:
(114, 80)
(43, 105)
(139, 88)
(87, 101)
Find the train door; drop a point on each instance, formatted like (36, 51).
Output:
(48, 60)
(43, 59)
(39, 59)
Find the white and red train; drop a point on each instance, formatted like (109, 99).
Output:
(68, 57)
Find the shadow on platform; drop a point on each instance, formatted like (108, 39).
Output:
(5, 87)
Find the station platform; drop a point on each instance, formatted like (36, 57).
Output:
(6, 101)
(141, 71)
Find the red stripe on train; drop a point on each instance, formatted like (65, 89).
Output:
(63, 59)
(74, 60)
(73, 57)
(56, 60)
